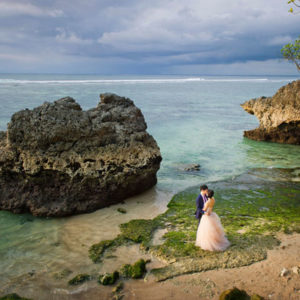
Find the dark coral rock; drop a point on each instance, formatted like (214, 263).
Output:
(58, 160)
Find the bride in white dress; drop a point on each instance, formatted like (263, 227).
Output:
(210, 233)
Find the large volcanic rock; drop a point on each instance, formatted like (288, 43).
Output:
(58, 160)
(279, 116)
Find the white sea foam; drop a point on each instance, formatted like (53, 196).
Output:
(93, 81)
(137, 81)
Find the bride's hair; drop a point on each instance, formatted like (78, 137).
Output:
(210, 193)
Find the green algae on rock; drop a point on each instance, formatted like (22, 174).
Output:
(122, 210)
(78, 279)
(13, 296)
(118, 287)
(63, 274)
(137, 270)
(236, 294)
(97, 250)
(139, 231)
(256, 297)
(252, 208)
(108, 278)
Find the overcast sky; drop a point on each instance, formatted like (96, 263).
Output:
(146, 37)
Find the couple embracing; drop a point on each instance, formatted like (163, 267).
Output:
(210, 233)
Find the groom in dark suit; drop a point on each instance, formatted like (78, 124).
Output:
(201, 199)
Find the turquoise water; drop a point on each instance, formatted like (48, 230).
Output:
(194, 120)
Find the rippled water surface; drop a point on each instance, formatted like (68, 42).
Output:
(194, 120)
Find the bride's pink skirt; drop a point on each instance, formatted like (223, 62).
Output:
(210, 234)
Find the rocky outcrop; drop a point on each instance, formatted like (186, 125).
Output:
(58, 160)
(279, 116)
(192, 167)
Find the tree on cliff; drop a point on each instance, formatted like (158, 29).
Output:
(296, 3)
(291, 52)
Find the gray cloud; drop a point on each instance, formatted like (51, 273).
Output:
(141, 36)
(12, 8)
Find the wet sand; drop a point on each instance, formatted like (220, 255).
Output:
(261, 278)
(65, 245)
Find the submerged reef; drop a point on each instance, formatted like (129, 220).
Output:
(253, 208)
(279, 116)
(58, 160)
(78, 279)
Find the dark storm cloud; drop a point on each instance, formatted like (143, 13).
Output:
(140, 36)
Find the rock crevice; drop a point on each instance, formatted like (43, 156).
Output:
(58, 160)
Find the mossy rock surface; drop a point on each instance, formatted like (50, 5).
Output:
(118, 287)
(13, 296)
(125, 271)
(122, 210)
(108, 278)
(234, 294)
(253, 208)
(139, 231)
(97, 250)
(137, 270)
(63, 274)
(256, 297)
(79, 279)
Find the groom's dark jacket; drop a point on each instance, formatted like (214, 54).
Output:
(199, 206)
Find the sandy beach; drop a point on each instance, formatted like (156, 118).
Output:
(262, 278)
